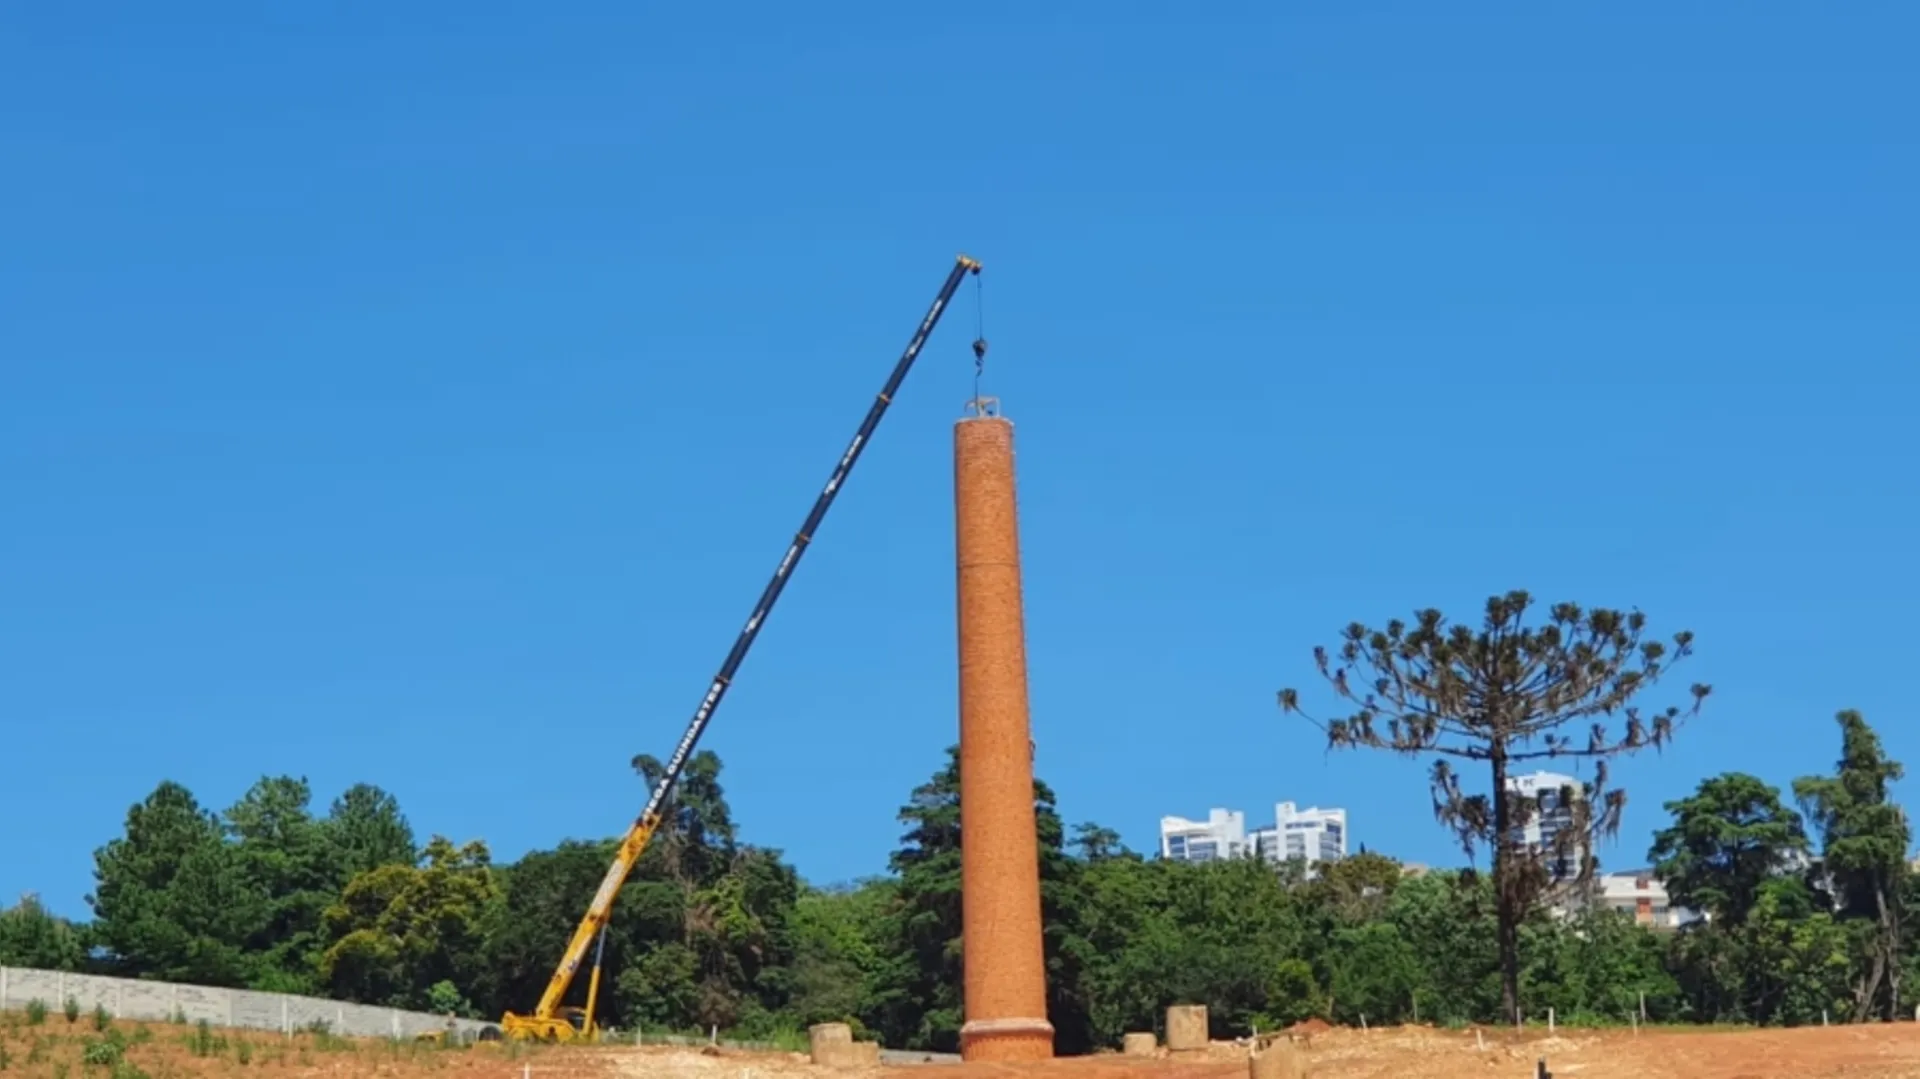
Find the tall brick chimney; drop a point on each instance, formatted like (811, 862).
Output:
(1005, 980)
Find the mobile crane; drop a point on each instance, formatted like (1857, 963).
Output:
(548, 1020)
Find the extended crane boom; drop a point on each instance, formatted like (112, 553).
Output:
(546, 1022)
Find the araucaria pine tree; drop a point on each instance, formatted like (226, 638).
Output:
(1501, 695)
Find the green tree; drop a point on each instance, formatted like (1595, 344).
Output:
(699, 935)
(1096, 843)
(1447, 918)
(1597, 966)
(397, 930)
(1500, 696)
(171, 899)
(1796, 960)
(735, 903)
(366, 830)
(544, 896)
(285, 857)
(1132, 935)
(1373, 974)
(737, 927)
(1230, 934)
(1727, 839)
(916, 1001)
(697, 834)
(1355, 889)
(32, 936)
(1709, 961)
(840, 949)
(445, 998)
(1864, 840)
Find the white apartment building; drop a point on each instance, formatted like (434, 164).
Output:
(1222, 835)
(1310, 835)
(1554, 796)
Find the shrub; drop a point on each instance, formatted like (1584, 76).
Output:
(71, 1010)
(36, 1012)
(329, 1042)
(203, 1042)
(101, 1054)
(101, 1020)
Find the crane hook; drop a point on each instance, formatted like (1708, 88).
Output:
(980, 334)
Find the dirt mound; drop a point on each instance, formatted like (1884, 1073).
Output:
(1315, 1025)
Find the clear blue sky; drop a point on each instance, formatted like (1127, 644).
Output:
(422, 393)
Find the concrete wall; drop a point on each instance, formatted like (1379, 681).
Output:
(160, 1002)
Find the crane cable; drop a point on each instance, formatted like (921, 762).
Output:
(980, 335)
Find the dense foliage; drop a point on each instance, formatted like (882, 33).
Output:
(1806, 919)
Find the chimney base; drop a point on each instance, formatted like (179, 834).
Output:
(1006, 1039)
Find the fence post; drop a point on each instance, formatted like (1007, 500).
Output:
(233, 1002)
(3, 989)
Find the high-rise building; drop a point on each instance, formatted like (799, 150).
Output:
(1554, 796)
(1309, 835)
(1222, 835)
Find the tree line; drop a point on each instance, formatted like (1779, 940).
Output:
(1803, 909)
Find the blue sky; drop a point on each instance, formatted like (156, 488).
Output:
(421, 394)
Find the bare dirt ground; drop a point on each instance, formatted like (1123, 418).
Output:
(56, 1050)
(1876, 1052)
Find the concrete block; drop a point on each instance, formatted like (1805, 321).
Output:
(831, 1045)
(1139, 1044)
(1187, 1028)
